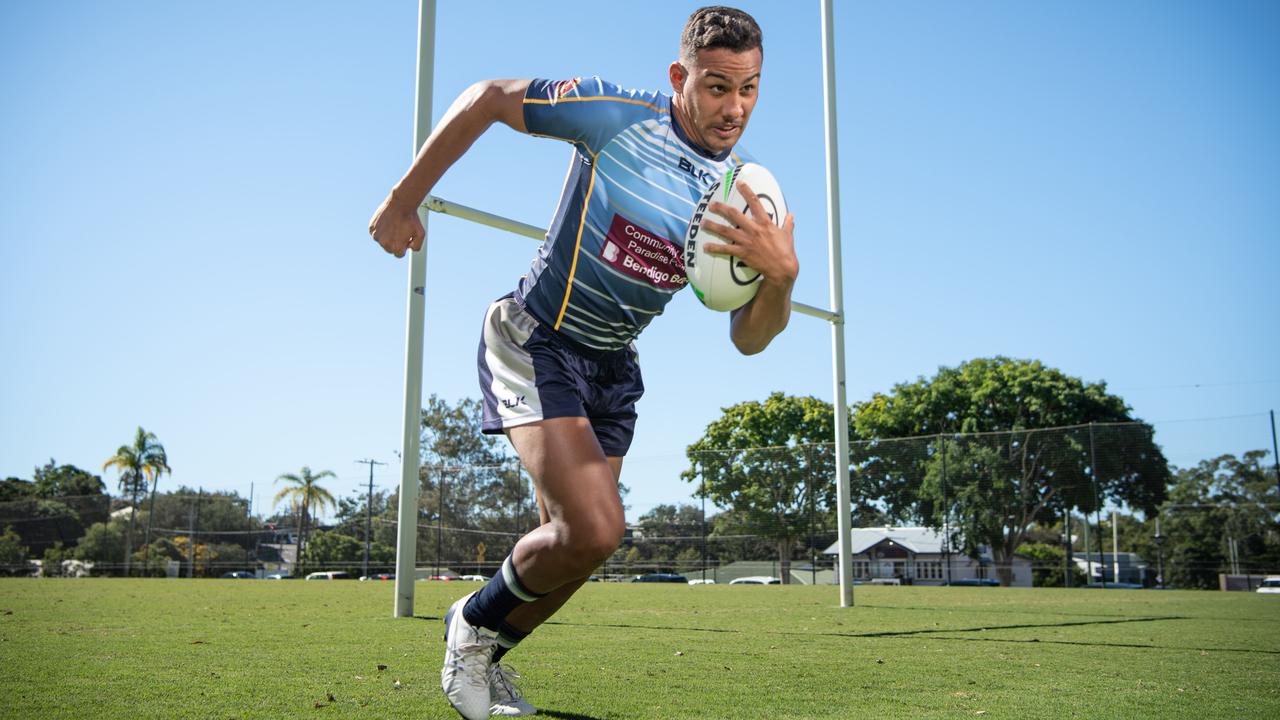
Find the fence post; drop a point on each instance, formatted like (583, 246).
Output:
(946, 511)
(1097, 507)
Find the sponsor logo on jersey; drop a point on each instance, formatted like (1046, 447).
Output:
(644, 255)
(703, 176)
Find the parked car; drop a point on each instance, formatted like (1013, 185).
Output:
(277, 576)
(379, 576)
(329, 575)
(756, 580)
(238, 575)
(1270, 584)
(473, 578)
(661, 578)
(702, 581)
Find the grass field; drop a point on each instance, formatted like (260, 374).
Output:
(103, 648)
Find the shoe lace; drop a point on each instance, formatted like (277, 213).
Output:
(502, 679)
(472, 660)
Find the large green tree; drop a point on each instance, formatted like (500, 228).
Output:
(304, 492)
(771, 463)
(1219, 500)
(989, 469)
(139, 463)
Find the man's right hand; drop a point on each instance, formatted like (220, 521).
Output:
(396, 227)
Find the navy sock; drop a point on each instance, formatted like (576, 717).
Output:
(508, 637)
(504, 593)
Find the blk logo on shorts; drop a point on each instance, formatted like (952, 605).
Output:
(510, 403)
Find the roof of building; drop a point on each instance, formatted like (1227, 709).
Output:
(919, 540)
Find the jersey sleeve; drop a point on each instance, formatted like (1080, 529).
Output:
(587, 112)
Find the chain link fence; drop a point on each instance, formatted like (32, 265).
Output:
(1086, 505)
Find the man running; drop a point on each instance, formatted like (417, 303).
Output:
(557, 364)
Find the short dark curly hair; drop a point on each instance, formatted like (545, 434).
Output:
(718, 26)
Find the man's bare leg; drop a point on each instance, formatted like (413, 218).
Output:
(529, 616)
(577, 490)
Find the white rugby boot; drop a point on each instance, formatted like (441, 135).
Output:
(468, 655)
(505, 694)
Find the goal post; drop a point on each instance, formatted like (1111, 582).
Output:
(407, 527)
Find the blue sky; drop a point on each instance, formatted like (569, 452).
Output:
(185, 190)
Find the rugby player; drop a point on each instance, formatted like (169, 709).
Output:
(557, 362)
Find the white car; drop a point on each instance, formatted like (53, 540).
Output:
(474, 578)
(328, 575)
(756, 580)
(701, 581)
(1270, 584)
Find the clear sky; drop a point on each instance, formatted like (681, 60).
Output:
(185, 188)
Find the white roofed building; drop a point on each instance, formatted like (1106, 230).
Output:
(918, 556)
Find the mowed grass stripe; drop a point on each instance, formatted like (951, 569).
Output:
(260, 649)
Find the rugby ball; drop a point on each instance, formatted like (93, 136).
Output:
(723, 282)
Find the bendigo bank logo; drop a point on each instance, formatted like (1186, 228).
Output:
(635, 252)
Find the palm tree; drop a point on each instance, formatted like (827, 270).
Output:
(305, 494)
(143, 461)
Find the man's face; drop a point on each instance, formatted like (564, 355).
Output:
(715, 96)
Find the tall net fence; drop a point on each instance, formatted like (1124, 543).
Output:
(1070, 506)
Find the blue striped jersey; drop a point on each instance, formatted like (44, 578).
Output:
(614, 253)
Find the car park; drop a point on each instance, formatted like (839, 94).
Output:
(378, 576)
(756, 580)
(329, 575)
(473, 578)
(661, 578)
(702, 581)
(1270, 585)
(238, 575)
(277, 576)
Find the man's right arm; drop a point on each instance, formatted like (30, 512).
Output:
(395, 224)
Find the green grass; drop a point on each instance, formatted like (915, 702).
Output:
(102, 648)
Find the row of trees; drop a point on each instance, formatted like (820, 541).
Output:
(967, 451)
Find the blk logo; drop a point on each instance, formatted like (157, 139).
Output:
(513, 402)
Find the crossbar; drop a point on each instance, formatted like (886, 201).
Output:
(463, 212)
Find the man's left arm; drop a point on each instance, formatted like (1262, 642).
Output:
(770, 250)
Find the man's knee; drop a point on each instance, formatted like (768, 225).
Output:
(593, 541)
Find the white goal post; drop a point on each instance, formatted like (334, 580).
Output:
(407, 526)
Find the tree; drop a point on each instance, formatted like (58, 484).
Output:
(82, 491)
(305, 494)
(336, 551)
(1223, 499)
(470, 485)
(145, 460)
(669, 539)
(13, 555)
(771, 463)
(103, 543)
(992, 488)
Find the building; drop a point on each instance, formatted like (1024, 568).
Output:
(917, 556)
(1101, 567)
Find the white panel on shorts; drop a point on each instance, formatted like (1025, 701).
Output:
(507, 328)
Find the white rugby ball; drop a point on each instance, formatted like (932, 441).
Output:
(723, 282)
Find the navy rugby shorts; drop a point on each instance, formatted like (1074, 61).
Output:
(529, 373)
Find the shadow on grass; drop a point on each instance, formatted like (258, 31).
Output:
(942, 633)
(565, 715)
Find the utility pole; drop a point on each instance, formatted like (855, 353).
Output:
(1275, 453)
(368, 513)
(191, 534)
